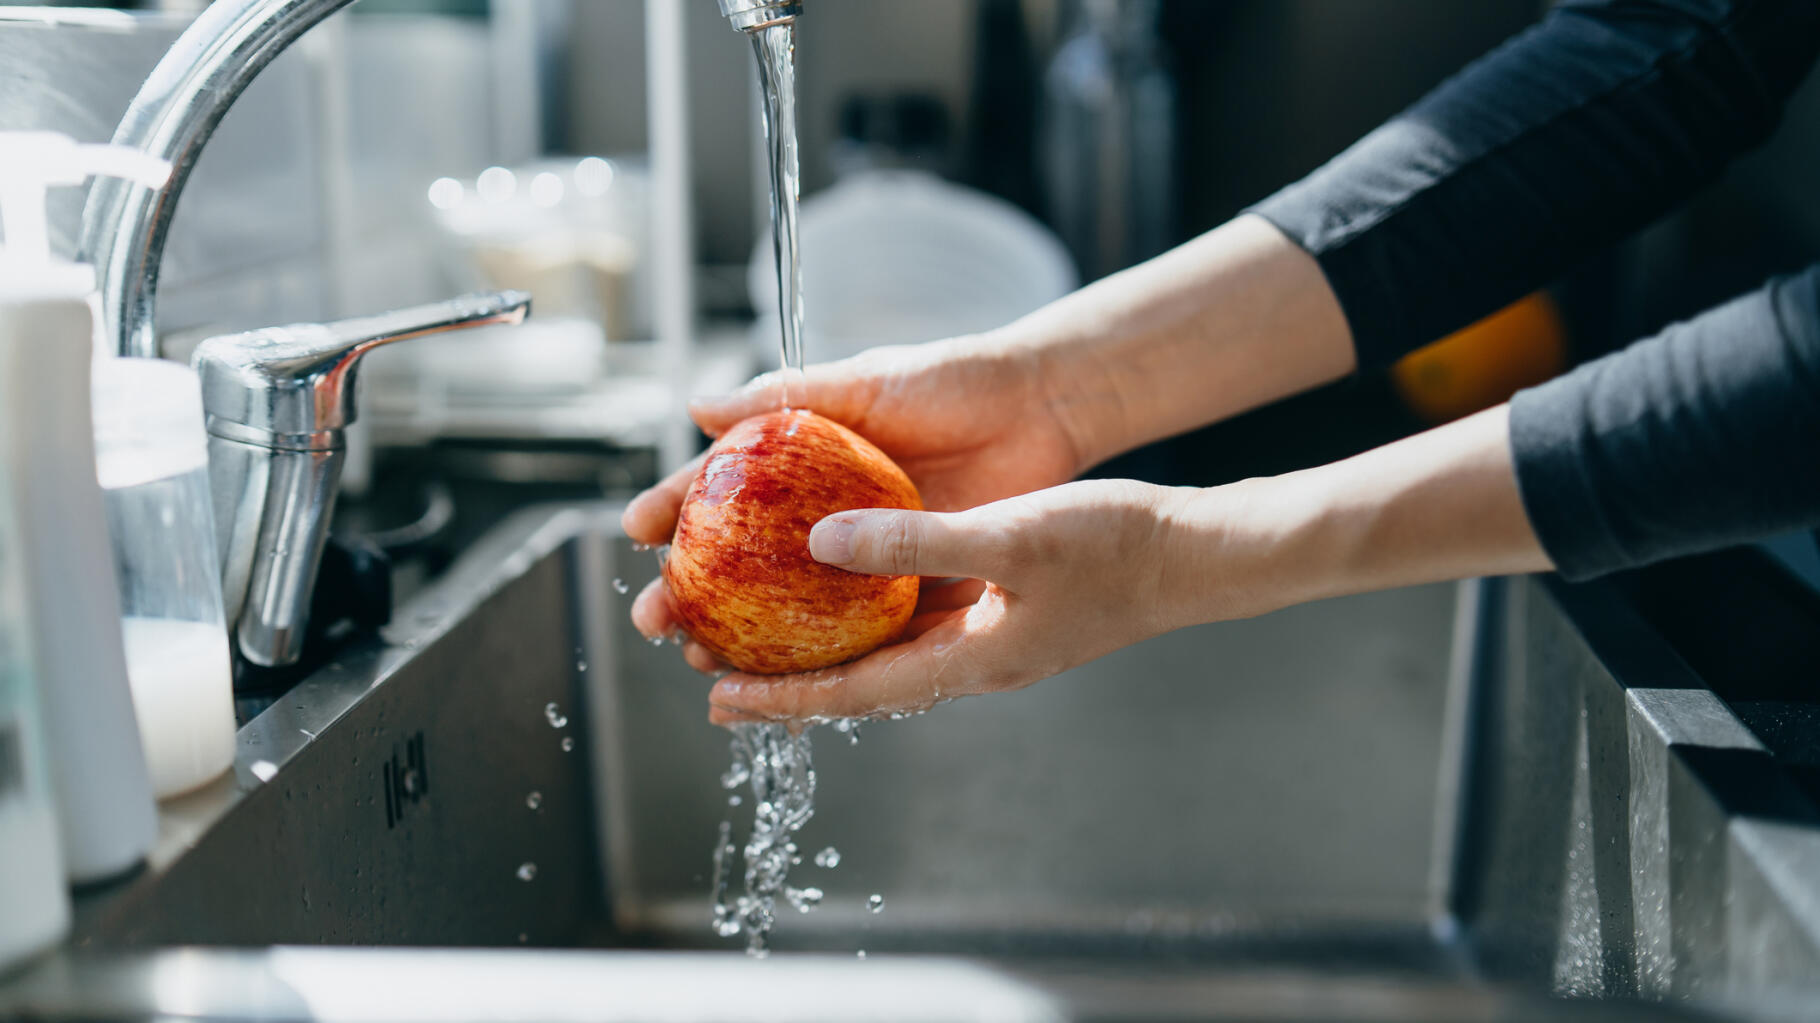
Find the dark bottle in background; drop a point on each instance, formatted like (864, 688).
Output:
(1107, 148)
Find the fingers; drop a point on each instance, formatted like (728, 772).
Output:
(652, 613)
(879, 541)
(905, 677)
(842, 391)
(763, 393)
(651, 516)
(701, 659)
(654, 616)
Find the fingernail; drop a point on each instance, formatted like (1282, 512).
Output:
(831, 541)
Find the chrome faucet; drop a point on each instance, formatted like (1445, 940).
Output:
(753, 15)
(277, 400)
(173, 116)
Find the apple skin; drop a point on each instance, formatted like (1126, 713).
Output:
(740, 576)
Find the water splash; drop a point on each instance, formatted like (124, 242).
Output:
(778, 767)
(726, 917)
(848, 727)
(804, 899)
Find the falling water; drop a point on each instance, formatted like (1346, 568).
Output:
(777, 766)
(775, 48)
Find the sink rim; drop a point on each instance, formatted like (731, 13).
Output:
(283, 731)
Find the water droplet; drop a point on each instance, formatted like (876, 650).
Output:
(619, 586)
(411, 781)
(581, 665)
(264, 770)
(734, 800)
(527, 871)
(804, 899)
(735, 776)
(568, 743)
(641, 547)
(828, 858)
(861, 954)
(657, 641)
(534, 799)
(554, 715)
(523, 937)
(875, 903)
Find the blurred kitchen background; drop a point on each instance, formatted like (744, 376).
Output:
(962, 162)
(1445, 760)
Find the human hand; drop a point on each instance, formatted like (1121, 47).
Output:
(1059, 577)
(970, 420)
(1047, 581)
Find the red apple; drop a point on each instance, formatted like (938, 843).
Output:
(739, 571)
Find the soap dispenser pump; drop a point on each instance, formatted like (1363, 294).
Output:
(106, 815)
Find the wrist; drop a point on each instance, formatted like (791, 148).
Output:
(1436, 506)
(1236, 551)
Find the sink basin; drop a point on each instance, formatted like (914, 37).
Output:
(1252, 817)
(1229, 781)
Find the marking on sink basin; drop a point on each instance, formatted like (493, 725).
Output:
(405, 778)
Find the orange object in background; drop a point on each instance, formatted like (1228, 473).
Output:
(1479, 366)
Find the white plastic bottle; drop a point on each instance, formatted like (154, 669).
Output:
(106, 817)
(34, 908)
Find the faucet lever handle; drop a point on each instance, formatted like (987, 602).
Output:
(295, 385)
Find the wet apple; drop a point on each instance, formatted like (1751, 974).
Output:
(739, 571)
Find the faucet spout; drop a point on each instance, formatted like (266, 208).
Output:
(173, 116)
(751, 16)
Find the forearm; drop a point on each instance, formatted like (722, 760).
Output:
(1439, 505)
(1234, 319)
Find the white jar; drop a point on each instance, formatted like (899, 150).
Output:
(151, 454)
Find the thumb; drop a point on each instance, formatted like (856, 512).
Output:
(892, 542)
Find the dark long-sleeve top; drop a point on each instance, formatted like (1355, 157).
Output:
(1566, 138)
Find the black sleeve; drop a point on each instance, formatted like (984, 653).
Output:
(1564, 139)
(1705, 435)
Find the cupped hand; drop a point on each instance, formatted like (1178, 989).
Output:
(1047, 581)
(971, 420)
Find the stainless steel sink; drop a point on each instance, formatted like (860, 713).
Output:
(1251, 818)
(1275, 776)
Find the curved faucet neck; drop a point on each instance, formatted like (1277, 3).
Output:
(173, 116)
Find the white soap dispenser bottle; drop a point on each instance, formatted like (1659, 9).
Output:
(106, 815)
(34, 908)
